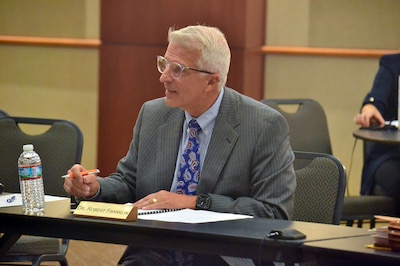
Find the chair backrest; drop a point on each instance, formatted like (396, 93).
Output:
(321, 183)
(59, 147)
(308, 125)
(3, 113)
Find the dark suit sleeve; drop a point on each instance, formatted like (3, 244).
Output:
(384, 92)
(258, 178)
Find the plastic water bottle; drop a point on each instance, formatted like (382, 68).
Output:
(31, 180)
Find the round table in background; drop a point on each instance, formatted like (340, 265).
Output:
(381, 136)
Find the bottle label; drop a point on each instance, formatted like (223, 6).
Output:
(30, 172)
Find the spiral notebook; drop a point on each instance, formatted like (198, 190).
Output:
(188, 216)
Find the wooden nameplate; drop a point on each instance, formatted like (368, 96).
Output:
(104, 210)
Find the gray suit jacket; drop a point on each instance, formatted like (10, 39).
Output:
(248, 167)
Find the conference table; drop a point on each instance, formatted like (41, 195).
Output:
(242, 237)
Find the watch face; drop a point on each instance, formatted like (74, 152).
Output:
(203, 202)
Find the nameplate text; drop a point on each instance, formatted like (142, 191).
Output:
(106, 210)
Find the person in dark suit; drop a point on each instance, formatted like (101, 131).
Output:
(246, 162)
(381, 171)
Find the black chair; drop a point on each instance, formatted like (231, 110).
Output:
(361, 208)
(59, 147)
(308, 125)
(321, 184)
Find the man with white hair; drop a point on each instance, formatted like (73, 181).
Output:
(202, 146)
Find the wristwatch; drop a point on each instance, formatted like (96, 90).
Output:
(203, 202)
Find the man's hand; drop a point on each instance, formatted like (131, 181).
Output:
(166, 200)
(369, 116)
(81, 186)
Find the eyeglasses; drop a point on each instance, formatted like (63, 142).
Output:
(175, 68)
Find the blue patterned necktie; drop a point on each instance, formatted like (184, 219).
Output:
(188, 177)
(189, 166)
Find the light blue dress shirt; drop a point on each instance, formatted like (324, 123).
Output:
(206, 122)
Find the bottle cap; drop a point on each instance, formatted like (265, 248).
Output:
(28, 147)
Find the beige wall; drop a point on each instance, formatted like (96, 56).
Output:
(53, 82)
(61, 82)
(339, 84)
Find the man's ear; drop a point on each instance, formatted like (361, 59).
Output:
(213, 80)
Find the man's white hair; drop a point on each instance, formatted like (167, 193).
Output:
(215, 54)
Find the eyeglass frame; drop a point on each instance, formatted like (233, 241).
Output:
(181, 67)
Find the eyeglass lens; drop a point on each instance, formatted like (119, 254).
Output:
(162, 65)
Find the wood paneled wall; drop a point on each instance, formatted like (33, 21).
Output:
(133, 32)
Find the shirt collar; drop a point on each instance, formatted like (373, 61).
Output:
(207, 119)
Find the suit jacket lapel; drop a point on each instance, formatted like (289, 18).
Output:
(223, 140)
(169, 136)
